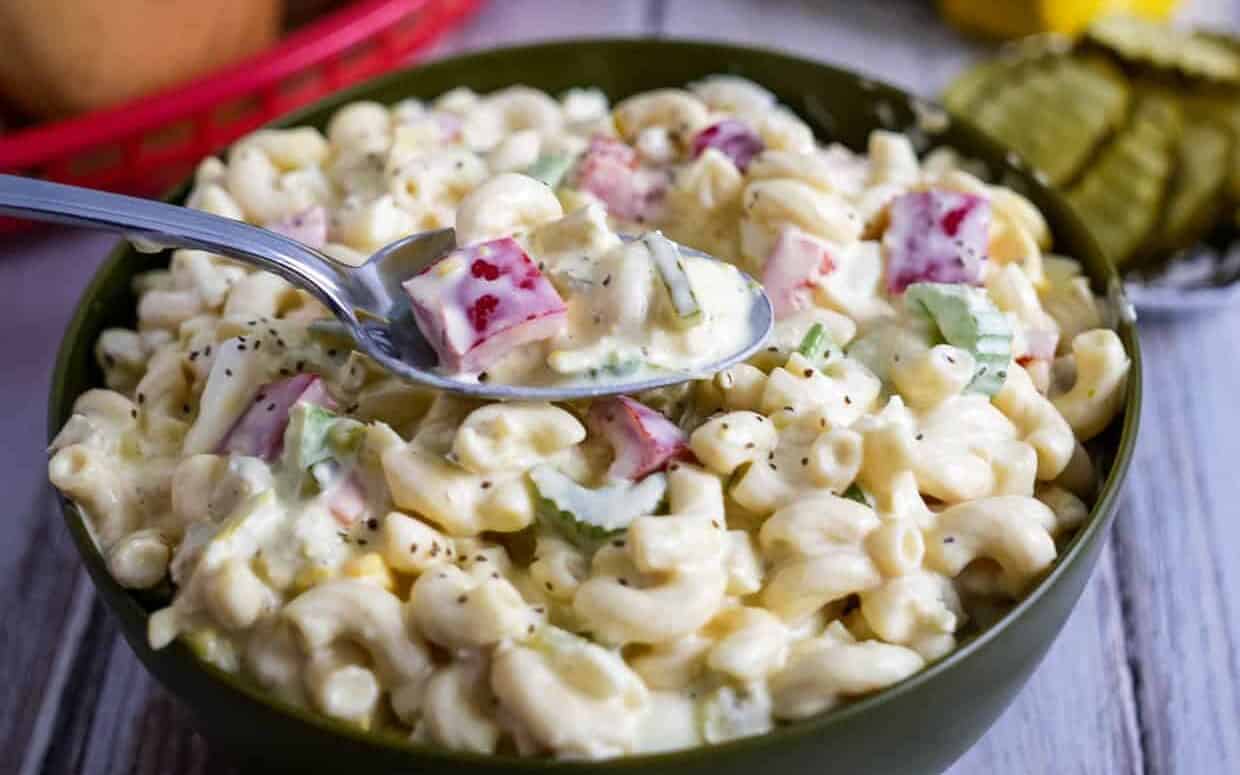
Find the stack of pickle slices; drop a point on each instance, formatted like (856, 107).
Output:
(1138, 123)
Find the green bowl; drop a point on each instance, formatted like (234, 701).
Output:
(918, 726)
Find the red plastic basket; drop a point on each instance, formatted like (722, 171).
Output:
(146, 145)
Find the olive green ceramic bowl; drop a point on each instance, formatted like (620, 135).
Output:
(919, 726)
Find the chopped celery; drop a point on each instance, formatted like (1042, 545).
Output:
(886, 344)
(855, 493)
(316, 435)
(667, 262)
(308, 427)
(966, 318)
(587, 516)
(816, 345)
(609, 365)
(550, 168)
(617, 366)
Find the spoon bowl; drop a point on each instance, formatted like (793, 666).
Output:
(368, 302)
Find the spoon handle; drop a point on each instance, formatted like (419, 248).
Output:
(171, 226)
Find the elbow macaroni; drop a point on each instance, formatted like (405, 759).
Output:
(827, 531)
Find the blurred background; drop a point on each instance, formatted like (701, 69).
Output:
(129, 94)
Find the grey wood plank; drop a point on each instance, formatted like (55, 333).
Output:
(1176, 544)
(41, 276)
(121, 721)
(32, 747)
(39, 614)
(507, 22)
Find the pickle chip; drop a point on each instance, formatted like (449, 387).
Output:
(1141, 42)
(1055, 111)
(1223, 111)
(1193, 202)
(969, 87)
(1137, 123)
(1120, 194)
(988, 76)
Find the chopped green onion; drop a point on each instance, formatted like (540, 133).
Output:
(815, 344)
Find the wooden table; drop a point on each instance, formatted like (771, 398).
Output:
(1144, 678)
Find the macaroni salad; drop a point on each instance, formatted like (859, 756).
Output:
(902, 459)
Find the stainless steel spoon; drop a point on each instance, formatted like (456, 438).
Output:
(368, 300)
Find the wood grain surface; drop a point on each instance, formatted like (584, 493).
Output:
(1145, 677)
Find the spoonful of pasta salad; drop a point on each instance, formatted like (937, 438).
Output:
(565, 310)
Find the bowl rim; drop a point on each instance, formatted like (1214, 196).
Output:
(1101, 514)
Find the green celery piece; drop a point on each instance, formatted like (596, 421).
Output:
(617, 366)
(587, 517)
(878, 348)
(854, 493)
(966, 318)
(550, 168)
(671, 269)
(816, 345)
(316, 435)
(623, 368)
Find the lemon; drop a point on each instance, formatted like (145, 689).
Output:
(1026, 17)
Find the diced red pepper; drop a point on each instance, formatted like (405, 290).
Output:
(308, 227)
(795, 265)
(260, 431)
(936, 236)
(642, 440)
(604, 148)
(478, 304)
(608, 170)
(733, 138)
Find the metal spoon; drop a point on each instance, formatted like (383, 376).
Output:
(368, 300)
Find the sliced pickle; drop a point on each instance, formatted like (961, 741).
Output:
(981, 80)
(1055, 111)
(968, 88)
(1222, 109)
(1146, 44)
(1193, 200)
(1138, 123)
(1120, 194)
